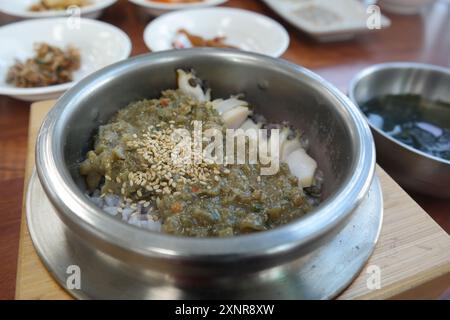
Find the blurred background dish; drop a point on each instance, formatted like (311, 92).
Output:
(405, 6)
(408, 108)
(219, 27)
(327, 20)
(158, 7)
(98, 43)
(23, 9)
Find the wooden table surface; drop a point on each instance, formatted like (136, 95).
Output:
(422, 38)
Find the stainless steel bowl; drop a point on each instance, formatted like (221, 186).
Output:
(339, 137)
(413, 169)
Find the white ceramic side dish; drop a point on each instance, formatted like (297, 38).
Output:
(19, 9)
(243, 29)
(99, 43)
(327, 20)
(155, 8)
(405, 6)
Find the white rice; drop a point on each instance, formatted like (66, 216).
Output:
(139, 216)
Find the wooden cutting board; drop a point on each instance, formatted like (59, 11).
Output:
(413, 252)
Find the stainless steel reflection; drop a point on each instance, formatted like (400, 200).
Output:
(339, 139)
(413, 169)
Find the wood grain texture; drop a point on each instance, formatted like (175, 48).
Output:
(9, 234)
(412, 252)
(412, 38)
(32, 276)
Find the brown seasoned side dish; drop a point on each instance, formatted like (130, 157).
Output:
(45, 5)
(185, 39)
(51, 65)
(176, 1)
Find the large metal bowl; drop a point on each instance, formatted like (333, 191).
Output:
(339, 137)
(413, 169)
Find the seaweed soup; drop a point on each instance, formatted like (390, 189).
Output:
(413, 120)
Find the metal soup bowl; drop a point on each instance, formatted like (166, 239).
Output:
(413, 169)
(340, 141)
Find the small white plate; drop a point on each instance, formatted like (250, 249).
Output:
(100, 44)
(326, 20)
(246, 30)
(155, 8)
(20, 9)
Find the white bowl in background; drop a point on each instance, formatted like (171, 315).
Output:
(155, 8)
(19, 9)
(246, 30)
(326, 20)
(404, 6)
(100, 44)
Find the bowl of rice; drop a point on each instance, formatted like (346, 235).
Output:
(75, 168)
